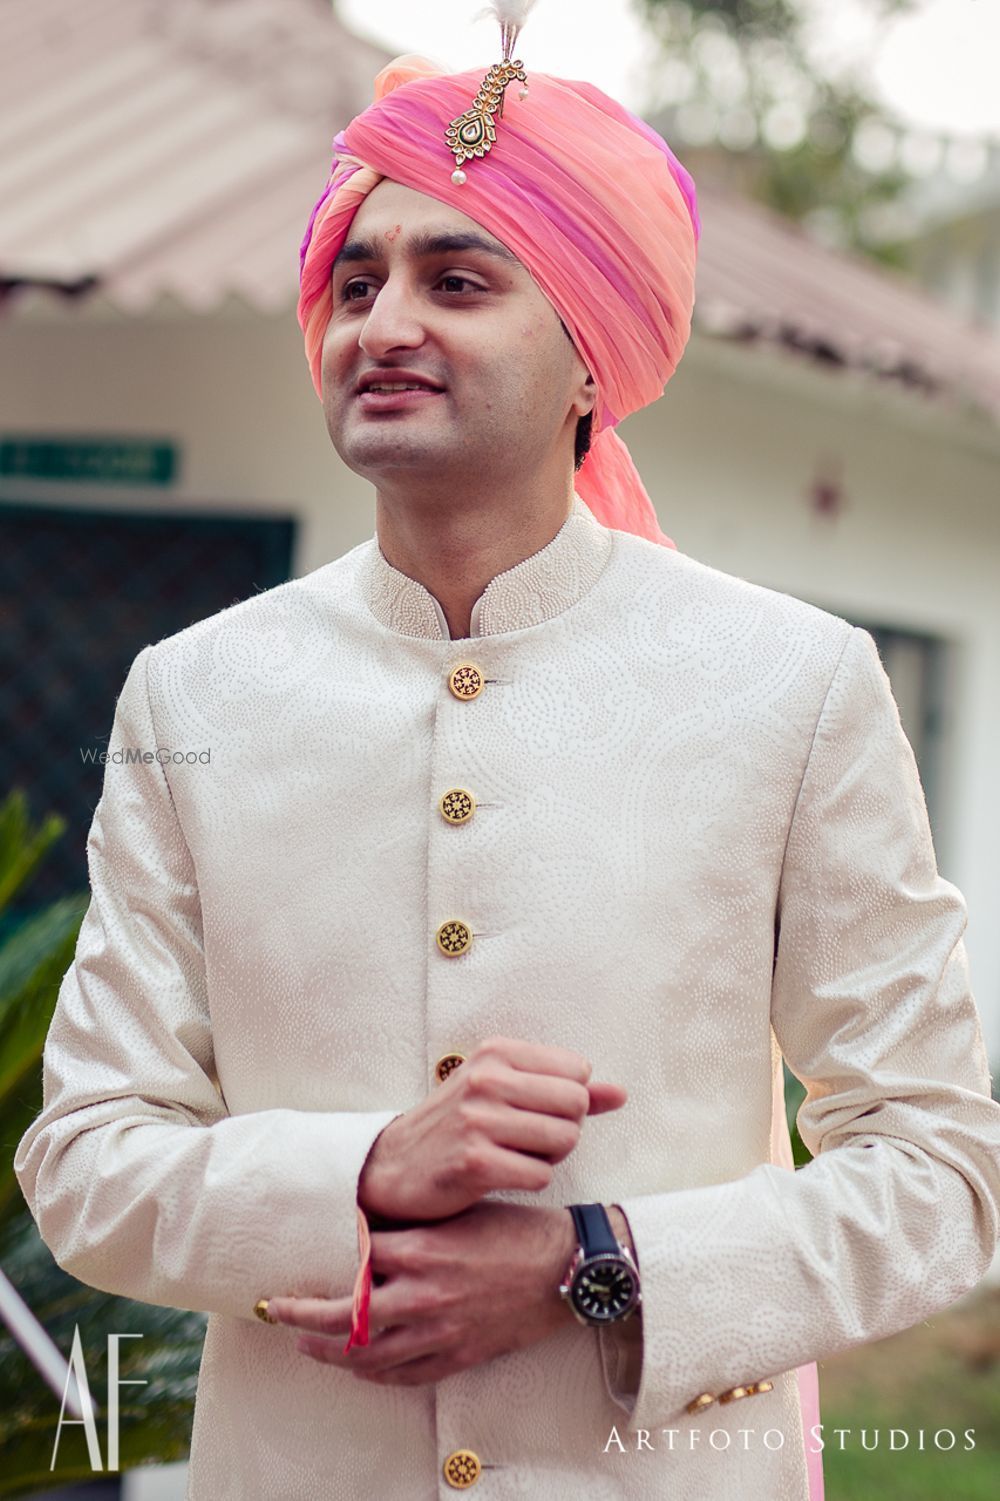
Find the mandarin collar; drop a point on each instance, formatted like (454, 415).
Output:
(536, 589)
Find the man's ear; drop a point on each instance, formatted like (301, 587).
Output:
(586, 401)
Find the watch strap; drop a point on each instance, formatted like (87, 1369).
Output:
(594, 1230)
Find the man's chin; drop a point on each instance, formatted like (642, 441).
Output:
(375, 454)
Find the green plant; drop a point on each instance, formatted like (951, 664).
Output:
(759, 58)
(34, 956)
(36, 949)
(795, 1093)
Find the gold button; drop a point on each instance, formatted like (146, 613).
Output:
(757, 1387)
(466, 680)
(735, 1393)
(457, 805)
(447, 1065)
(454, 938)
(700, 1403)
(462, 1469)
(260, 1309)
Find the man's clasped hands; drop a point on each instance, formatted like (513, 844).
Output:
(456, 1281)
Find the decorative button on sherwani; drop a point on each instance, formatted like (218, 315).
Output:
(447, 1065)
(700, 1403)
(758, 1387)
(466, 680)
(454, 938)
(457, 805)
(462, 1469)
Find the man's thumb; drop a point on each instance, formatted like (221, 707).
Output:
(605, 1096)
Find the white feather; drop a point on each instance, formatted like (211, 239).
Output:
(508, 12)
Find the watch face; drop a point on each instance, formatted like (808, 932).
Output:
(604, 1289)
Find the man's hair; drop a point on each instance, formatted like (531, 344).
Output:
(583, 431)
(585, 425)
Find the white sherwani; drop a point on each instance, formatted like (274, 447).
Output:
(700, 843)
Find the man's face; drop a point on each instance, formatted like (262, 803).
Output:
(473, 322)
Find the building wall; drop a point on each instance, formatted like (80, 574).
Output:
(730, 455)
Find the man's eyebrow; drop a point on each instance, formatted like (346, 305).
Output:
(427, 244)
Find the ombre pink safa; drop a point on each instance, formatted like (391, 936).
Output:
(587, 195)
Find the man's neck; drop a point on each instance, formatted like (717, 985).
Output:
(455, 550)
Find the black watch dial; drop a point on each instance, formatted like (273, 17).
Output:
(604, 1289)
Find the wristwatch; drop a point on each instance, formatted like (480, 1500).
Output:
(601, 1284)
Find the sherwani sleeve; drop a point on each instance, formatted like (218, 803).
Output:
(139, 1179)
(897, 1214)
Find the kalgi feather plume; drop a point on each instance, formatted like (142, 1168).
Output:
(511, 14)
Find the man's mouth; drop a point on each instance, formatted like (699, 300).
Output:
(398, 397)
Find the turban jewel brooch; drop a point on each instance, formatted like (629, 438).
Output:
(473, 132)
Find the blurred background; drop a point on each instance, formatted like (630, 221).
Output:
(832, 432)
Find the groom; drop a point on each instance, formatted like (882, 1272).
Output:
(528, 848)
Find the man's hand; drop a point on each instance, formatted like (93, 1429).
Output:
(501, 1120)
(454, 1295)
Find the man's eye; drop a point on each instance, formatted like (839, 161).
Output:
(359, 282)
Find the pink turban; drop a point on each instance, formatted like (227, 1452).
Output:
(587, 196)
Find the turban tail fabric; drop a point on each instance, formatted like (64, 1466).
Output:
(588, 197)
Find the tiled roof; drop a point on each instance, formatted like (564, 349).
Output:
(173, 149)
(761, 276)
(169, 147)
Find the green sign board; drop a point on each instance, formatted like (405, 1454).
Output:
(91, 461)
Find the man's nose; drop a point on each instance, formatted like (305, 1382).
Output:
(392, 322)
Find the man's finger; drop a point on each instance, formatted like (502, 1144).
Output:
(538, 1057)
(605, 1096)
(319, 1315)
(332, 1316)
(393, 1348)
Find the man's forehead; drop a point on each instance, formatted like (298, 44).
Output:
(416, 225)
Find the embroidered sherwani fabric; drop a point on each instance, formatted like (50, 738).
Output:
(700, 842)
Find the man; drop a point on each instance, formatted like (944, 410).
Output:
(528, 847)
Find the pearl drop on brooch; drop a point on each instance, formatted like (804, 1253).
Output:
(523, 93)
(458, 177)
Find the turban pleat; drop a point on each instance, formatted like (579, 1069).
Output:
(586, 195)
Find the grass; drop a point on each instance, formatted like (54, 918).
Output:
(940, 1376)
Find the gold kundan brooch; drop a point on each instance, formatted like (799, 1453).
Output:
(474, 132)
